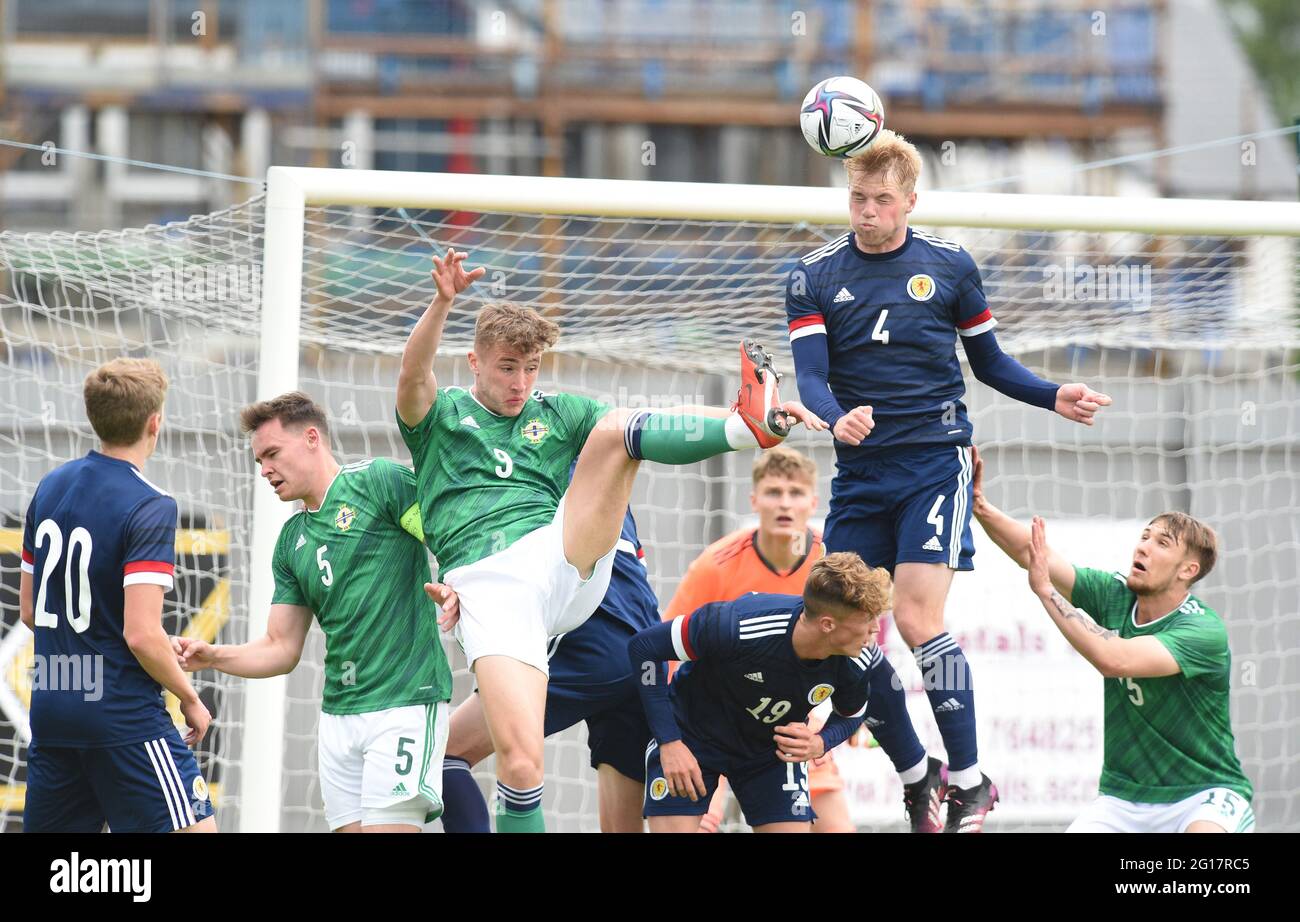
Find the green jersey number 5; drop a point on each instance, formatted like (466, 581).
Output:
(1134, 691)
(327, 572)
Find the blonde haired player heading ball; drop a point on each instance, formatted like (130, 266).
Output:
(874, 318)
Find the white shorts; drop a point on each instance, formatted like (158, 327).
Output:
(1215, 805)
(514, 600)
(383, 766)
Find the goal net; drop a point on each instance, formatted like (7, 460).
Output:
(1188, 323)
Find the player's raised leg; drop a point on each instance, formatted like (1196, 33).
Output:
(602, 482)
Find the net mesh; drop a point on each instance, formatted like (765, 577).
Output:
(1193, 337)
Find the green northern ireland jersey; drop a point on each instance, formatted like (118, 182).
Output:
(1169, 737)
(488, 480)
(359, 563)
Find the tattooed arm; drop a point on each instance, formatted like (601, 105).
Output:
(1112, 655)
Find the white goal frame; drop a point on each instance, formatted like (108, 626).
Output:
(291, 190)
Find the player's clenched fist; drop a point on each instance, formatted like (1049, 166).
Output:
(681, 771)
(796, 742)
(195, 654)
(854, 426)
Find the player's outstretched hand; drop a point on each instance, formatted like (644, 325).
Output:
(197, 719)
(681, 771)
(449, 274)
(854, 426)
(448, 601)
(1040, 579)
(801, 414)
(797, 742)
(1079, 403)
(178, 647)
(196, 654)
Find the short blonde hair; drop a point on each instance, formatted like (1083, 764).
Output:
(120, 397)
(843, 581)
(783, 461)
(890, 155)
(520, 329)
(1198, 538)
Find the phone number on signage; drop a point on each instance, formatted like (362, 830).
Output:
(1062, 734)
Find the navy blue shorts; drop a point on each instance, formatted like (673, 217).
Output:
(153, 786)
(768, 790)
(592, 680)
(908, 507)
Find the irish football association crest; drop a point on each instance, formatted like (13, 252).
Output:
(534, 431)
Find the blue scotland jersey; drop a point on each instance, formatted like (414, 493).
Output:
(891, 322)
(629, 597)
(94, 527)
(740, 676)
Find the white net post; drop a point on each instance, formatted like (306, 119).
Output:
(277, 373)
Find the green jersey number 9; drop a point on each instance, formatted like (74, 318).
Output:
(506, 467)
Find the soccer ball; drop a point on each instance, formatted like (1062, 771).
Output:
(841, 116)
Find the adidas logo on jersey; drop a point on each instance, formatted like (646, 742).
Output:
(302, 539)
(844, 295)
(952, 704)
(469, 421)
(933, 544)
(874, 722)
(754, 676)
(399, 791)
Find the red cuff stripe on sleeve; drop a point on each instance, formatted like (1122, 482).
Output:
(149, 566)
(28, 558)
(808, 321)
(686, 636)
(976, 321)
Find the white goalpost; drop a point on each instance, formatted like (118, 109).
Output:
(1184, 311)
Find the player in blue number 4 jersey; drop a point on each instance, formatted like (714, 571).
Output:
(874, 316)
(754, 669)
(99, 550)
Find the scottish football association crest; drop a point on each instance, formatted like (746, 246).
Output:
(658, 789)
(920, 287)
(534, 431)
(820, 693)
(346, 516)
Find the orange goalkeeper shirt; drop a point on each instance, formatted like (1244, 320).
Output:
(732, 566)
